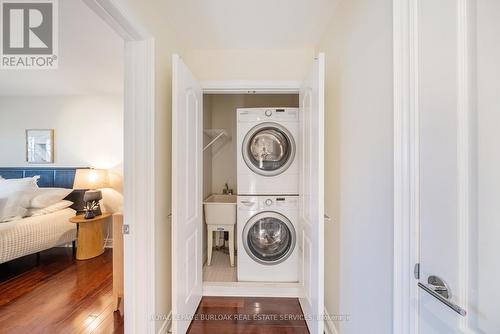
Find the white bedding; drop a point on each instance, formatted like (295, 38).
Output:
(34, 234)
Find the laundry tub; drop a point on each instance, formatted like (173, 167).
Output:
(220, 216)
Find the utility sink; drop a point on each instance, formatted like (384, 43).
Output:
(220, 209)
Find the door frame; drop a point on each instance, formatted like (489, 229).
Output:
(250, 87)
(406, 155)
(406, 173)
(139, 163)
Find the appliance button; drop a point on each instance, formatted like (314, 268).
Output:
(269, 113)
(269, 202)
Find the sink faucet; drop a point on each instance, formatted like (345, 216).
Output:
(226, 190)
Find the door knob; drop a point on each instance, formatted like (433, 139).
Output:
(439, 286)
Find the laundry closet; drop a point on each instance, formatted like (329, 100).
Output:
(222, 156)
(247, 179)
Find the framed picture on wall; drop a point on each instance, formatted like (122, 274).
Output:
(40, 146)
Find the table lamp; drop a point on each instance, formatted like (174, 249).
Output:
(91, 180)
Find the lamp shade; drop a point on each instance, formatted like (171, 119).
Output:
(91, 179)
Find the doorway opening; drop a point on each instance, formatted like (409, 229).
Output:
(223, 241)
(272, 169)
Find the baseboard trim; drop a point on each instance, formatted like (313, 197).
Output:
(167, 324)
(330, 327)
(250, 289)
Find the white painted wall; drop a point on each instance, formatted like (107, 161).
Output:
(359, 166)
(250, 64)
(88, 130)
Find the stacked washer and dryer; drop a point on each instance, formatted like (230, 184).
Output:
(268, 183)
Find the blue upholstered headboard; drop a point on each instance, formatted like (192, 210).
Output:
(58, 177)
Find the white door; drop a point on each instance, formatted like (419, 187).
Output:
(311, 190)
(187, 120)
(459, 164)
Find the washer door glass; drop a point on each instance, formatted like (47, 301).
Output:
(268, 149)
(269, 239)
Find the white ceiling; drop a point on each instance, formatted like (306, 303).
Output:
(90, 59)
(236, 24)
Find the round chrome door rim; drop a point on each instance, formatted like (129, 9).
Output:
(269, 214)
(248, 138)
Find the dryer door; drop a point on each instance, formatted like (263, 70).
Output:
(268, 149)
(269, 238)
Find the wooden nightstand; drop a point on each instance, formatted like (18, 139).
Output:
(90, 240)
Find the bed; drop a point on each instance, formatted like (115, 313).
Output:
(34, 234)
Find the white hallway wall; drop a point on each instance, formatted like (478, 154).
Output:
(359, 166)
(250, 64)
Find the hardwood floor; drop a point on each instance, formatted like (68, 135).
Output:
(233, 315)
(60, 295)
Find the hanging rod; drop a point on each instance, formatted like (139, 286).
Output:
(220, 135)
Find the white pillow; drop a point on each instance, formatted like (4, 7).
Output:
(45, 197)
(16, 195)
(11, 186)
(49, 209)
(3, 203)
(14, 206)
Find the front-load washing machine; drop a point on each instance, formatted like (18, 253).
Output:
(268, 239)
(267, 151)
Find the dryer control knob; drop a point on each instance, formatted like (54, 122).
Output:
(269, 113)
(269, 202)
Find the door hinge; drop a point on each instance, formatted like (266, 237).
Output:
(416, 271)
(126, 229)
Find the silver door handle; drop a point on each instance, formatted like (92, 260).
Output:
(438, 289)
(248, 202)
